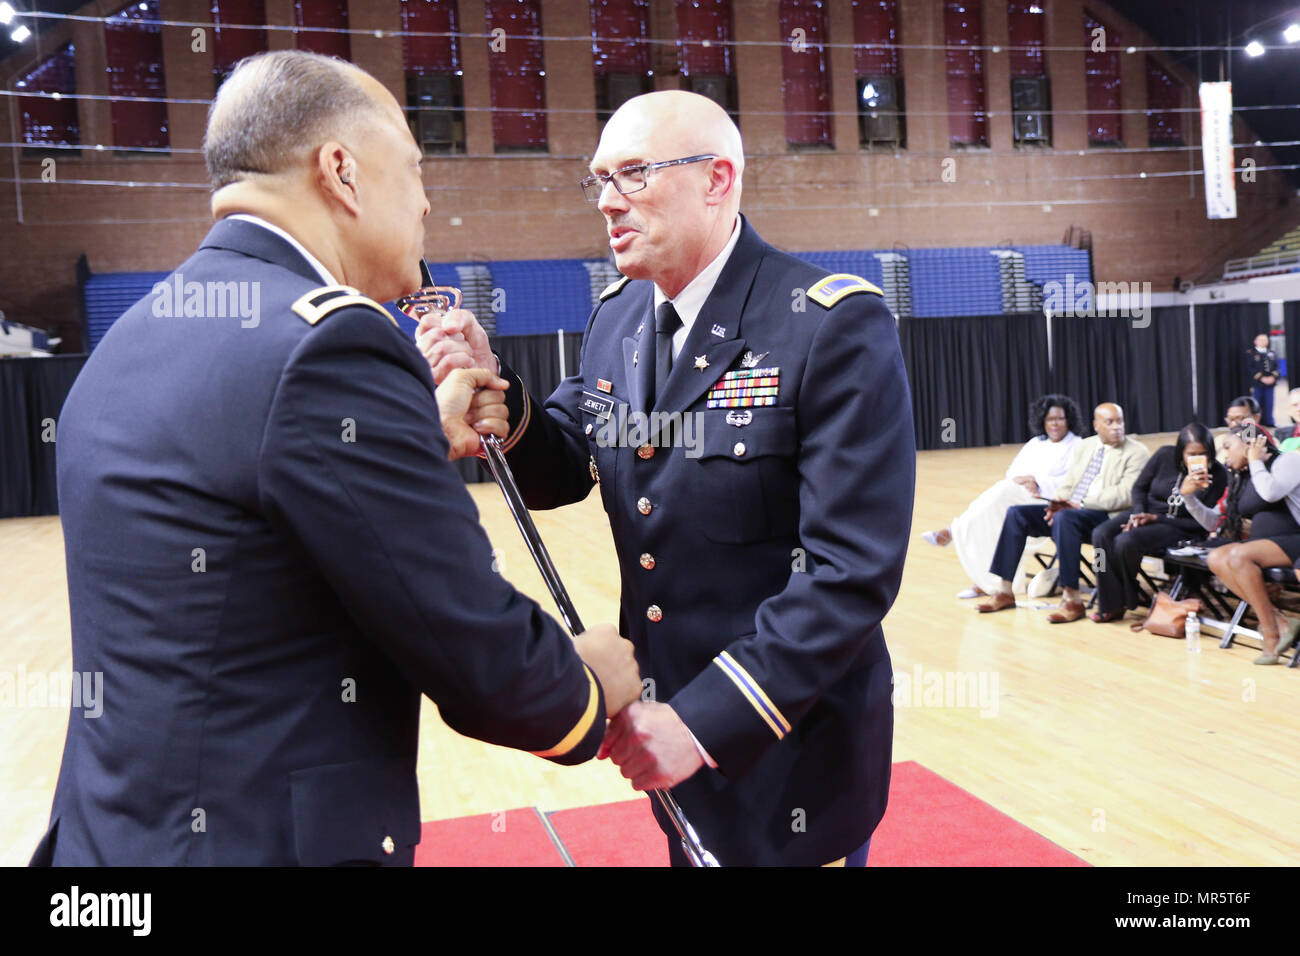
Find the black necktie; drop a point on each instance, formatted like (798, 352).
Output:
(667, 321)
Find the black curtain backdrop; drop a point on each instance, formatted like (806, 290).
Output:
(972, 378)
(537, 360)
(1144, 369)
(1224, 332)
(32, 390)
(1291, 326)
(1160, 380)
(1090, 363)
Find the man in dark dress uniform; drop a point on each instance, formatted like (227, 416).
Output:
(270, 557)
(1262, 366)
(747, 418)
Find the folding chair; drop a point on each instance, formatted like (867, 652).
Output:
(1085, 566)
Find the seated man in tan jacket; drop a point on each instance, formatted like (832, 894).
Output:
(1098, 485)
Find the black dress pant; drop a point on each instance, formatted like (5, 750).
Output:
(1117, 571)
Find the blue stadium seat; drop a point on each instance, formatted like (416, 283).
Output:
(542, 295)
(531, 296)
(109, 294)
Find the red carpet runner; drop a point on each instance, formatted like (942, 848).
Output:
(930, 822)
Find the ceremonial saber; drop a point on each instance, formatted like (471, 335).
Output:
(442, 298)
(505, 480)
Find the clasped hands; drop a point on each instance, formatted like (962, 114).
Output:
(1028, 483)
(1055, 505)
(471, 395)
(1138, 520)
(646, 740)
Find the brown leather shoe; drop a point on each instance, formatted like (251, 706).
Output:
(1105, 617)
(1068, 611)
(1000, 602)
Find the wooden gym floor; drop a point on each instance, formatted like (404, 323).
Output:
(1122, 748)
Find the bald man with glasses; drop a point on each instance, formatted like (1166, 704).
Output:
(760, 502)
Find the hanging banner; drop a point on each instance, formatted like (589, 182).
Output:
(1216, 151)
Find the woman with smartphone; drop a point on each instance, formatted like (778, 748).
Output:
(1264, 486)
(1159, 518)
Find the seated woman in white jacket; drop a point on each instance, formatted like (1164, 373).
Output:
(1036, 471)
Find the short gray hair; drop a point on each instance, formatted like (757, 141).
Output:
(275, 108)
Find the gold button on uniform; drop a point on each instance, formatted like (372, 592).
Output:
(643, 505)
(388, 845)
(648, 562)
(739, 449)
(654, 613)
(645, 452)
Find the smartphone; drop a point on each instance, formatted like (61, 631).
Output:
(1197, 463)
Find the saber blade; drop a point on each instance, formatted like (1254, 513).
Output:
(505, 479)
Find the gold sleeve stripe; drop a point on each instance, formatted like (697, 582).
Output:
(840, 862)
(767, 702)
(580, 729)
(513, 439)
(754, 694)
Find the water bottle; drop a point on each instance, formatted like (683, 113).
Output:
(1193, 634)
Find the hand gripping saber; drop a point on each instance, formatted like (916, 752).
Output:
(497, 464)
(441, 298)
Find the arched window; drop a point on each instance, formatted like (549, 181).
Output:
(963, 35)
(620, 52)
(879, 72)
(1102, 84)
(1164, 99)
(805, 73)
(231, 41)
(133, 44)
(1031, 103)
(434, 75)
(704, 54)
(517, 73)
(328, 23)
(47, 121)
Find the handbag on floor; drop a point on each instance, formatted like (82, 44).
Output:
(1168, 617)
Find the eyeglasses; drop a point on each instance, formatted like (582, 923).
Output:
(631, 179)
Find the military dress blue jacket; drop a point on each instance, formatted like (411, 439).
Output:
(759, 554)
(269, 560)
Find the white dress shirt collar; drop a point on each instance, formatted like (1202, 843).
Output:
(312, 260)
(692, 298)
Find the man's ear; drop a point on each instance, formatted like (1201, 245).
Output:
(336, 175)
(722, 180)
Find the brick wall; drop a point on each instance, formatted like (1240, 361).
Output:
(519, 207)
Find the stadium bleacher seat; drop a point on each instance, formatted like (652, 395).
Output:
(531, 296)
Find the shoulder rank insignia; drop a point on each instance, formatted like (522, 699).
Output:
(613, 288)
(835, 287)
(318, 303)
